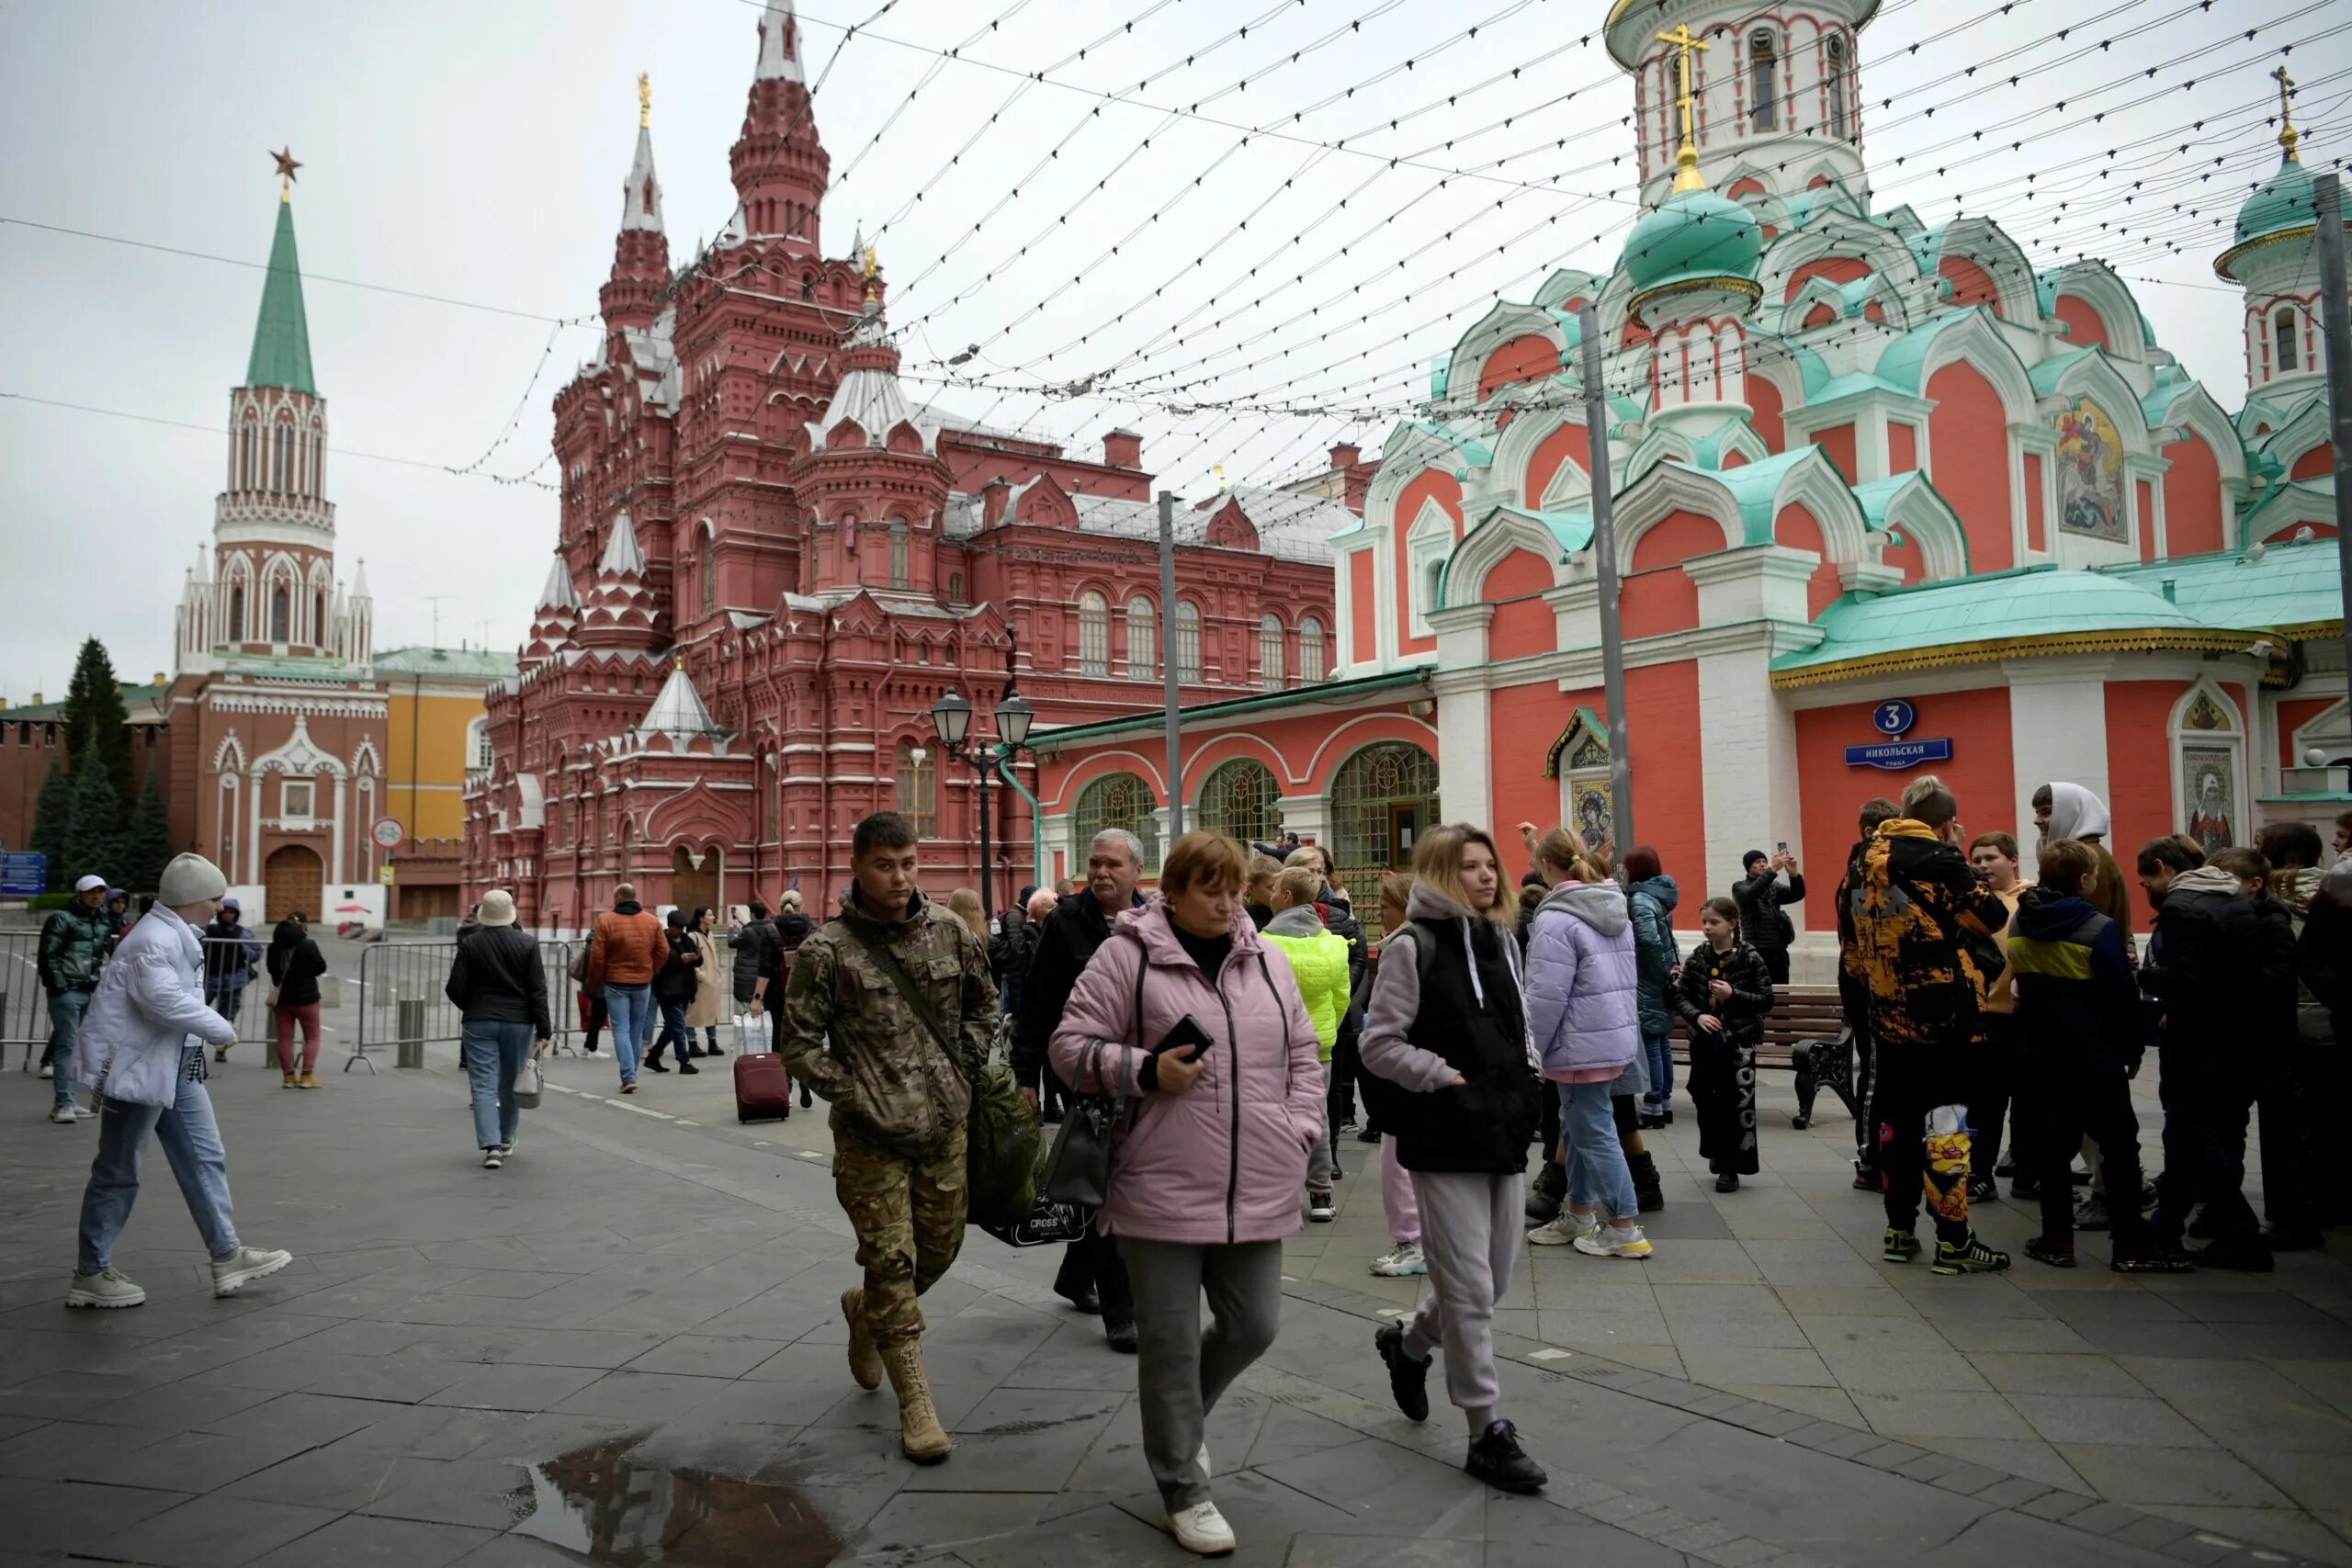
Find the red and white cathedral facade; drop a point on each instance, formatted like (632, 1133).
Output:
(772, 562)
(1887, 498)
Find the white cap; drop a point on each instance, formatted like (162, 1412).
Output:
(90, 884)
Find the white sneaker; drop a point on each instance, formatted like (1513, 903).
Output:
(47, 1071)
(1608, 1241)
(244, 1266)
(493, 1158)
(1320, 1208)
(66, 1113)
(1202, 1531)
(1566, 1230)
(1401, 1262)
(105, 1288)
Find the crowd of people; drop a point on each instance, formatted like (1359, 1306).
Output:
(1227, 1025)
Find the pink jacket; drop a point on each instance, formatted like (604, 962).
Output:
(1225, 1161)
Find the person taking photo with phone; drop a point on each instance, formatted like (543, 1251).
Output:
(1194, 1023)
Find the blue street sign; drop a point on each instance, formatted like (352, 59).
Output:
(1896, 755)
(23, 872)
(1893, 716)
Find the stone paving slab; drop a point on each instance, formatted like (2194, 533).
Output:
(651, 1295)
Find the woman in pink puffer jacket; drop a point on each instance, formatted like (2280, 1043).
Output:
(1212, 1157)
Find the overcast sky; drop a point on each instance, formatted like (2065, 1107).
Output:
(475, 153)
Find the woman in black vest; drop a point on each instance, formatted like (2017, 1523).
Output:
(1453, 1084)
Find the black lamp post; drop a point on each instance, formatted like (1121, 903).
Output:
(953, 716)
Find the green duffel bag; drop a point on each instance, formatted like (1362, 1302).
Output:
(1000, 1148)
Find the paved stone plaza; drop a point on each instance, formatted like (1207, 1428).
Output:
(624, 1348)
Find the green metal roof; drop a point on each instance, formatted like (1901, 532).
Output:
(1899, 366)
(134, 694)
(2289, 587)
(2046, 375)
(281, 354)
(1753, 487)
(1690, 237)
(448, 663)
(1321, 695)
(2038, 609)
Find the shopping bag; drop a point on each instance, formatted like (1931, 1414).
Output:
(529, 1085)
(752, 1036)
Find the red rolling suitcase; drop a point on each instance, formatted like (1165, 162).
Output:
(762, 1089)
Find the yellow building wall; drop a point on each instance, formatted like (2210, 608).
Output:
(426, 742)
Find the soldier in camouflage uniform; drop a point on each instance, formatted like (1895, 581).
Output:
(899, 1083)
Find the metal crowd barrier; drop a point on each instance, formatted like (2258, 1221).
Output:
(24, 1006)
(403, 1006)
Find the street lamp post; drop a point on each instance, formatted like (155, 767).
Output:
(953, 717)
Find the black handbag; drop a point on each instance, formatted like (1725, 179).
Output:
(1079, 1168)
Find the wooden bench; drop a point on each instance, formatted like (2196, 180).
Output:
(1805, 1034)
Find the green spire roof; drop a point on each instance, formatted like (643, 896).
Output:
(282, 335)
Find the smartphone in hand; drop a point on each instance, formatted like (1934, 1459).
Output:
(1188, 1034)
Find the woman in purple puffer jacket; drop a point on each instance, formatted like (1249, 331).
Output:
(1206, 1179)
(1583, 995)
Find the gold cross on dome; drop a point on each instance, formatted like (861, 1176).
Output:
(1686, 161)
(2288, 135)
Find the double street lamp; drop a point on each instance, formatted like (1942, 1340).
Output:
(953, 717)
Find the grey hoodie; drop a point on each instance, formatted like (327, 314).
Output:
(1396, 993)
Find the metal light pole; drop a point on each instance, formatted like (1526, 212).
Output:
(1604, 550)
(1168, 662)
(2337, 333)
(953, 716)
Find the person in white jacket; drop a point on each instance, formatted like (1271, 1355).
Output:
(141, 1055)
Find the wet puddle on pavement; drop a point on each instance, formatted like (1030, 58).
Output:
(612, 1508)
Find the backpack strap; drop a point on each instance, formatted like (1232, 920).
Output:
(893, 971)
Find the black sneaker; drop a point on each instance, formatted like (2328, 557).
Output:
(1122, 1338)
(2153, 1259)
(804, 1097)
(689, 1070)
(1980, 1189)
(1367, 1133)
(1496, 1459)
(1728, 1182)
(2025, 1190)
(2006, 1166)
(1408, 1380)
(1867, 1179)
(1970, 1257)
(2057, 1253)
(2246, 1255)
(654, 1065)
(2091, 1213)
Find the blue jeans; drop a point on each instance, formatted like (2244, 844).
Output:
(629, 1010)
(674, 1032)
(191, 1141)
(1596, 1161)
(493, 1052)
(65, 1011)
(1658, 1054)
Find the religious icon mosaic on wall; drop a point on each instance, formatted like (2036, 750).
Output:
(2090, 474)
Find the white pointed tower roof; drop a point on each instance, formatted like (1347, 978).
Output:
(619, 610)
(779, 44)
(641, 195)
(557, 616)
(560, 592)
(622, 557)
(679, 713)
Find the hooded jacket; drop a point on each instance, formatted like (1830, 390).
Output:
(2227, 977)
(1583, 980)
(626, 947)
(148, 1009)
(1742, 1014)
(230, 953)
(2076, 813)
(295, 964)
(74, 944)
(1465, 1017)
(1224, 1162)
(1320, 960)
(1651, 902)
(1916, 912)
(758, 952)
(2079, 1006)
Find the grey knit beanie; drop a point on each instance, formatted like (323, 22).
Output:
(189, 879)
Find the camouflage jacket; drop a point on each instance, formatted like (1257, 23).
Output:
(852, 1037)
(1916, 915)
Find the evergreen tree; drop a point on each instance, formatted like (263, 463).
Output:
(96, 724)
(50, 815)
(147, 848)
(93, 840)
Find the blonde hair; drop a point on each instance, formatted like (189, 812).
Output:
(1437, 862)
(1396, 897)
(1570, 857)
(1201, 858)
(1302, 884)
(966, 903)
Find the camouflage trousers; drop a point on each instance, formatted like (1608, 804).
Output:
(909, 1212)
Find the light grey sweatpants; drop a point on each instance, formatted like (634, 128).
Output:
(1181, 1372)
(1470, 1226)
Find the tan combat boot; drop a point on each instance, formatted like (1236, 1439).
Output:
(864, 1361)
(921, 1435)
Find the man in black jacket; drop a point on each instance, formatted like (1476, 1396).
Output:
(1092, 1277)
(1765, 883)
(2227, 982)
(673, 988)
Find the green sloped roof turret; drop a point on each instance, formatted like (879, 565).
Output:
(281, 354)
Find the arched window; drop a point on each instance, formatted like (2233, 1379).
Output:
(1116, 800)
(477, 751)
(919, 788)
(1836, 51)
(1093, 634)
(1383, 799)
(1312, 668)
(281, 471)
(899, 570)
(318, 464)
(319, 619)
(954, 588)
(1764, 87)
(1188, 641)
(709, 570)
(1143, 639)
(281, 611)
(236, 615)
(249, 469)
(1238, 800)
(2282, 328)
(1270, 651)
